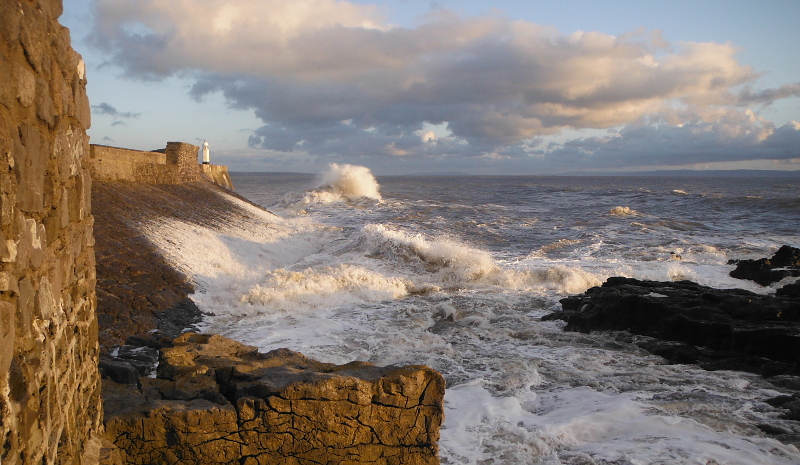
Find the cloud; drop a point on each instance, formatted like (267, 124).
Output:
(104, 108)
(332, 78)
(664, 145)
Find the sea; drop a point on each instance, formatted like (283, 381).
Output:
(456, 272)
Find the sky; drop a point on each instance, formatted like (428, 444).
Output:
(448, 86)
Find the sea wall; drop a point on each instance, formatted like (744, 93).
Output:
(217, 174)
(175, 164)
(50, 408)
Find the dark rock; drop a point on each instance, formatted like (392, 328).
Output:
(120, 371)
(175, 320)
(765, 271)
(789, 290)
(218, 401)
(718, 329)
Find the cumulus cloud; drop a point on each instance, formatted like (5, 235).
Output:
(333, 78)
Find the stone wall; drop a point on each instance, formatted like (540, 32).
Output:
(175, 164)
(49, 384)
(217, 174)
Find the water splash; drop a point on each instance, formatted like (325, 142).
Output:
(350, 182)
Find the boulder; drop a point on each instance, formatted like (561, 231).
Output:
(215, 400)
(765, 271)
(689, 323)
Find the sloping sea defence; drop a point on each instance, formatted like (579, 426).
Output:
(213, 400)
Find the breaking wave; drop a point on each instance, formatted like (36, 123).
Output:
(340, 183)
(452, 264)
(349, 182)
(285, 290)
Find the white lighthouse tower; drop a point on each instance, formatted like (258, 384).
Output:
(206, 156)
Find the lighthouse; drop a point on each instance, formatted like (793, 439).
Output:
(206, 157)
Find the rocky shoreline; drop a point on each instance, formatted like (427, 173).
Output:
(216, 401)
(717, 329)
(173, 396)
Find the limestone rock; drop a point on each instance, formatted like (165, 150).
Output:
(218, 401)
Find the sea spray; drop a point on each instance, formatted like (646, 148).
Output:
(350, 182)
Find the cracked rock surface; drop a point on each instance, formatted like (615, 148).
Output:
(215, 400)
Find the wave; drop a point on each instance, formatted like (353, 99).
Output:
(349, 182)
(340, 183)
(452, 264)
(285, 290)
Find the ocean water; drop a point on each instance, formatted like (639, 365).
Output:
(456, 273)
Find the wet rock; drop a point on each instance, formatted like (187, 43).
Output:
(789, 290)
(218, 401)
(765, 271)
(718, 329)
(119, 371)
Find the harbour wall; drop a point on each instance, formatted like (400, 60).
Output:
(175, 164)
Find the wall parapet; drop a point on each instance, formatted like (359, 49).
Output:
(175, 164)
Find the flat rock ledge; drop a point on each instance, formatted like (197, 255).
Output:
(215, 401)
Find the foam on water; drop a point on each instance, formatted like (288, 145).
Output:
(623, 211)
(520, 390)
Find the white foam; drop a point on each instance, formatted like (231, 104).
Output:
(350, 181)
(284, 290)
(452, 264)
(623, 211)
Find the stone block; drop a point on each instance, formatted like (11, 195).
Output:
(83, 112)
(7, 333)
(31, 153)
(45, 109)
(10, 25)
(26, 84)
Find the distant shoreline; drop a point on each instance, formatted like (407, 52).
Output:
(639, 174)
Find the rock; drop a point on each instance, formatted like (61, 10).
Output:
(719, 329)
(789, 290)
(119, 371)
(218, 401)
(764, 271)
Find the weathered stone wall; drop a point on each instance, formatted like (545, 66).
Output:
(49, 384)
(172, 166)
(217, 174)
(176, 164)
(118, 164)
